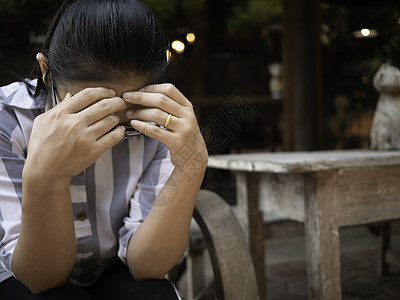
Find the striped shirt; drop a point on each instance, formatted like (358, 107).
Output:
(110, 199)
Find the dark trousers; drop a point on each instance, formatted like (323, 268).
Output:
(115, 283)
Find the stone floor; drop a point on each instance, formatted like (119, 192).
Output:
(286, 267)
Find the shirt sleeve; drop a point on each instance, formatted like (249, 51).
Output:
(149, 186)
(12, 159)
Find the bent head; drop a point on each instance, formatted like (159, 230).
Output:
(112, 43)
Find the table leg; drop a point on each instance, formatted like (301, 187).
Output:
(322, 236)
(251, 219)
(383, 247)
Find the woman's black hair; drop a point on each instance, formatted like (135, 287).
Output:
(104, 40)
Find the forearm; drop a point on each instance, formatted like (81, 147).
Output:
(45, 251)
(161, 240)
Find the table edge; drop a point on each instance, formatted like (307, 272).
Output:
(223, 162)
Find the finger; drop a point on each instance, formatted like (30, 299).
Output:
(153, 131)
(168, 90)
(85, 98)
(154, 115)
(101, 109)
(104, 125)
(110, 139)
(123, 113)
(157, 100)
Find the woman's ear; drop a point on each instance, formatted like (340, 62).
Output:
(43, 64)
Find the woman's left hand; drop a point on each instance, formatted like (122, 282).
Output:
(182, 135)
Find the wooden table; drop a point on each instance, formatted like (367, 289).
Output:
(325, 190)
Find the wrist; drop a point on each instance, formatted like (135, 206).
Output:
(192, 164)
(190, 173)
(37, 179)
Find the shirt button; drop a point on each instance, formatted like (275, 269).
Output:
(81, 216)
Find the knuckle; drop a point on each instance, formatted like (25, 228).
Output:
(162, 100)
(39, 119)
(55, 114)
(88, 93)
(149, 88)
(158, 115)
(73, 125)
(95, 93)
(186, 129)
(121, 104)
(58, 114)
(139, 98)
(111, 120)
(169, 87)
(105, 105)
(116, 104)
(116, 135)
(43, 115)
(105, 91)
(72, 129)
(80, 142)
(155, 130)
(190, 106)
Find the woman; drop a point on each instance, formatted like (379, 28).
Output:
(92, 208)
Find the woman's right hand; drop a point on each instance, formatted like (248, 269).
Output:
(71, 136)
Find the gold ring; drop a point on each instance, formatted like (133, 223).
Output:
(167, 121)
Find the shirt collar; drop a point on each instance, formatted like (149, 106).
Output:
(16, 94)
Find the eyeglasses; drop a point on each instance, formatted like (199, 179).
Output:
(129, 130)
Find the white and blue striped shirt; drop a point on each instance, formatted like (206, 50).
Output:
(110, 199)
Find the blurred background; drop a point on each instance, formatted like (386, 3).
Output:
(304, 68)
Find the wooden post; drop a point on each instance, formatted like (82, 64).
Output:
(302, 75)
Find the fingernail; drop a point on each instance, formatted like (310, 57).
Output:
(112, 92)
(127, 95)
(135, 123)
(129, 113)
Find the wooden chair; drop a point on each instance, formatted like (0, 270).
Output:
(233, 270)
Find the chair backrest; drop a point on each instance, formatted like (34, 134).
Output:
(230, 257)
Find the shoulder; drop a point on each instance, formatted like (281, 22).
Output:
(19, 95)
(18, 110)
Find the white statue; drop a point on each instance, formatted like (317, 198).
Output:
(385, 131)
